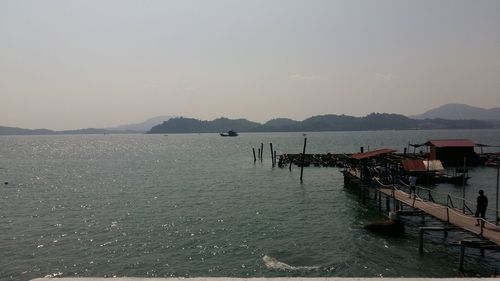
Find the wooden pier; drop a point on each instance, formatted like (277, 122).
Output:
(444, 213)
(487, 233)
(384, 172)
(450, 215)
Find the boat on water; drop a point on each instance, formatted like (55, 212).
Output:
(230, 133)
(457, 179)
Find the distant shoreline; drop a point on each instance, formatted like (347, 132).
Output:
(321, 123)
(256, 132)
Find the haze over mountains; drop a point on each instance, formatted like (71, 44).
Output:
(456, 111)
(121, 129)
(143, 126)
(449, 116)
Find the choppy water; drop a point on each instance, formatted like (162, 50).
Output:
(197, 205)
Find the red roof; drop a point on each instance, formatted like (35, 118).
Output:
(416, 165)
(451, 143)
(374, 153)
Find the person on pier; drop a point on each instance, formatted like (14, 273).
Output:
(482, 204)
(413, 185)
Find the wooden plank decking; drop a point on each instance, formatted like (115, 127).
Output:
(451, 215)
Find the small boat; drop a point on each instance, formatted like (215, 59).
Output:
(460, 177)
(457, 179)
(230, 133)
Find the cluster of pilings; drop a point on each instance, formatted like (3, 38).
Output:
(260, 151)
(316, 160)
(274, 156)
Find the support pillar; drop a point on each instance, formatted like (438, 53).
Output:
(461, 259)
(421, 241)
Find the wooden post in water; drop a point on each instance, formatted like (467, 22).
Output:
(394, 200)
(379, 201)
(291, 162)
(498, 175)
(272, 153)
(302, 160)
(261, 151)
(421, 241)
(461, 259)
(254, 158)
(463, 186)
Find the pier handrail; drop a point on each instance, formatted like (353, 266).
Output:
(483, 223)
(448, 197)
(382, 184)
(480, 221)
(448, 200)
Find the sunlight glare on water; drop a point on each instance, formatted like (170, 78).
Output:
(197, 205)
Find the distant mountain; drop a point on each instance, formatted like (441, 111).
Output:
(374, 121)
(455, 111)
(89, 131)
(190, 125)
(331, 122)
(224, 124)
(143, 126)
(20, 131)
(280, 122)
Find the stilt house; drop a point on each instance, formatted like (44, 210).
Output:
(452, 152)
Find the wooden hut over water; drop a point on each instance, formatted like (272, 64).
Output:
(452, 152)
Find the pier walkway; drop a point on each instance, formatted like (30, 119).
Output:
(447, 214)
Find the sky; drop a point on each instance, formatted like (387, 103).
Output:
(91, 63)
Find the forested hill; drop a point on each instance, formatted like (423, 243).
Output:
(374, 121)
(190, 125)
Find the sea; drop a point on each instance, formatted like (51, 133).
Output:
(197, 205)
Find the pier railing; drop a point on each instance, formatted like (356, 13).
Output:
(443, 197)
(442, 203)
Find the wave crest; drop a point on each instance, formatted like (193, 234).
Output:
(272, 263)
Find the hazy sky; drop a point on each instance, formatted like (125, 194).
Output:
(74, 64)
